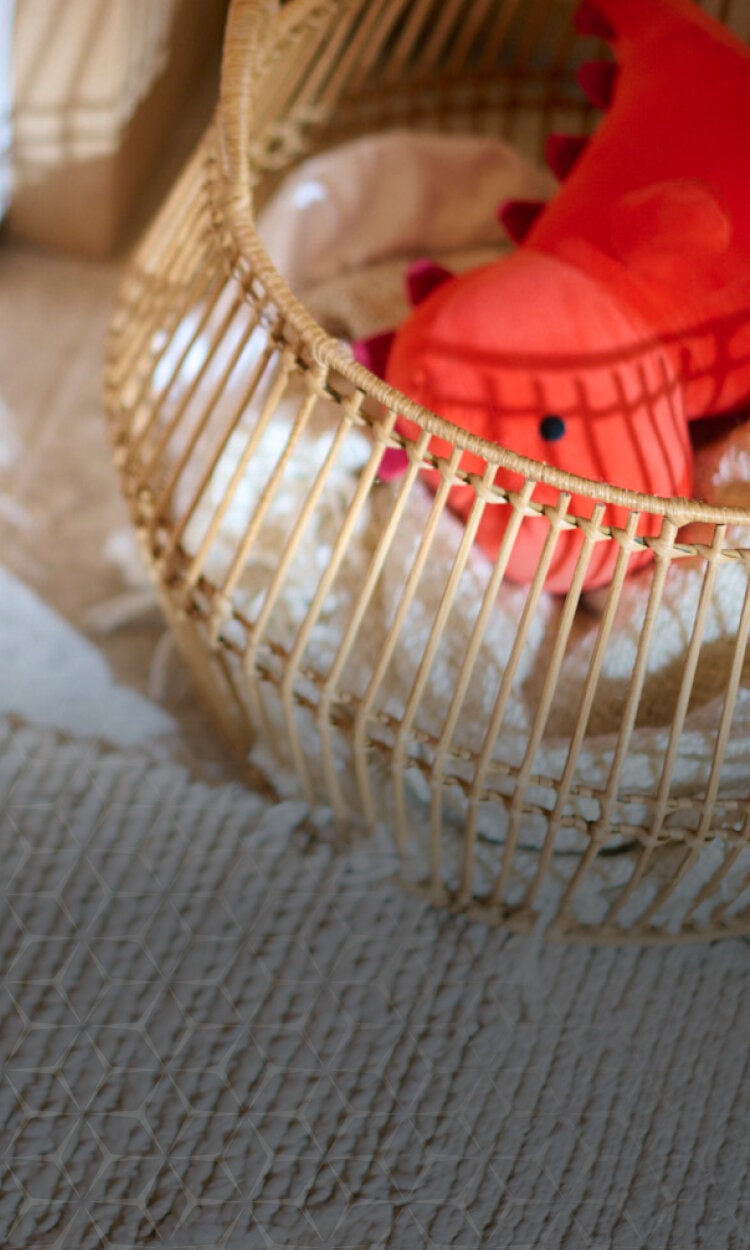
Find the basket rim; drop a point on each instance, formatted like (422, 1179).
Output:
(252, 26)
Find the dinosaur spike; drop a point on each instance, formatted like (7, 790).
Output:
(589, 20)
(518, 216)
(598, 79)
(373, 352)
(393, 464)
(563, 153)
(424, 277)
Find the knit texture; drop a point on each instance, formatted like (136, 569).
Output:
(218, 1032)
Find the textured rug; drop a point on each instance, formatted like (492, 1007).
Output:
(217, 1031)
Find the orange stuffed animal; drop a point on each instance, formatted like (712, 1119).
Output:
(624, 312)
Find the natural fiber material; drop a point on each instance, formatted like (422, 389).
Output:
(219, 377)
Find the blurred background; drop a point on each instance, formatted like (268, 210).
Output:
(101, 101)
(96, 95)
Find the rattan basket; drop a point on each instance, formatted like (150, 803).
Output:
(627, 827)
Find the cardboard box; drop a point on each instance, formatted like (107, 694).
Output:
(99, 89)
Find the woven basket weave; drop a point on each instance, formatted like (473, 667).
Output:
(505, 821)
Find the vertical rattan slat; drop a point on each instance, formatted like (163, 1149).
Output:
(572, 600)
(338, 553)
(686, 685)
(391, 639)
(437, 631)
(730, 699)
(463, 678)
(583, 713)
(348, 641)
(232, 422)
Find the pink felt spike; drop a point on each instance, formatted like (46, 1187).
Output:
(518, 216)
(598, 79)
(563, 153)
(394, 464)
(589, 20)
(373, 352)
(422, 278)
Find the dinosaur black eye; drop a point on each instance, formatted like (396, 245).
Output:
(552, 428)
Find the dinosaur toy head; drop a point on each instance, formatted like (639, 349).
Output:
(514, 353)
(550, 393)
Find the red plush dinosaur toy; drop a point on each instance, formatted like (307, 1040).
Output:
(624, 312)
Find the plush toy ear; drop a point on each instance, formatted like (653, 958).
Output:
(663, 230)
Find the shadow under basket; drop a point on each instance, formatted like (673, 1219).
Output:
(573, 761)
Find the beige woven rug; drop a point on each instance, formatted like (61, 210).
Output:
(218, 1033)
